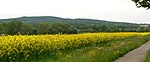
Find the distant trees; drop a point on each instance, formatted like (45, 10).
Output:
(43, 28)
(142, 3)
(14, 27)
(26, 28)
(18, 27)
(2, 30)
(63, 28)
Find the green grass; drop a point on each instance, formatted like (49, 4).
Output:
(147, 59)
(95, 53)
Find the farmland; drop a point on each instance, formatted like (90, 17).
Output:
(86, 47)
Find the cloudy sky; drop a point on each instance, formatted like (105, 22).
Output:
(111, 10)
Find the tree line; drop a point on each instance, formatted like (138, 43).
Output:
(18, 27)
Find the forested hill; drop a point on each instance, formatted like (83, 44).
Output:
(54, 25)
(52, 19)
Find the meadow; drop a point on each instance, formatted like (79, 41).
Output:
(86, 47)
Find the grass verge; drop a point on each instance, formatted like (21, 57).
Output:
(147, 59)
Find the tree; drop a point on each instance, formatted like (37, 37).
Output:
(14, 27)
(63, 28)
(142, 3)
(26, 28)
(1, 28)
(43, 28)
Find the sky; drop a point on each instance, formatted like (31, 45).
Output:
(111, 10)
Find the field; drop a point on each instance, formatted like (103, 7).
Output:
(87, 47)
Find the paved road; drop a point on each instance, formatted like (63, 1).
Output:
(137, 55)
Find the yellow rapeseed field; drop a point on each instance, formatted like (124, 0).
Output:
(25, 46)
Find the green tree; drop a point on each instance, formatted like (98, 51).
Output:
(14, 27)
(1, 28)
(43, 28)
(26, 28)
(63, 28)
(142, 3)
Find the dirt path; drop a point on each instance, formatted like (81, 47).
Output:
(137, 55)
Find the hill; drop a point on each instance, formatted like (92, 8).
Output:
(51, 19)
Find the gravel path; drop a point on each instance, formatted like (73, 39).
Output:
(137, 55)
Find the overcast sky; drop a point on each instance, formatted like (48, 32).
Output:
(111, 10)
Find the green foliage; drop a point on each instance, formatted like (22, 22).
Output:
(33, 25)
(26, 28)
(142, 3)
(43, 28)
(63, 28)
(14, 27)
(147, 59)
